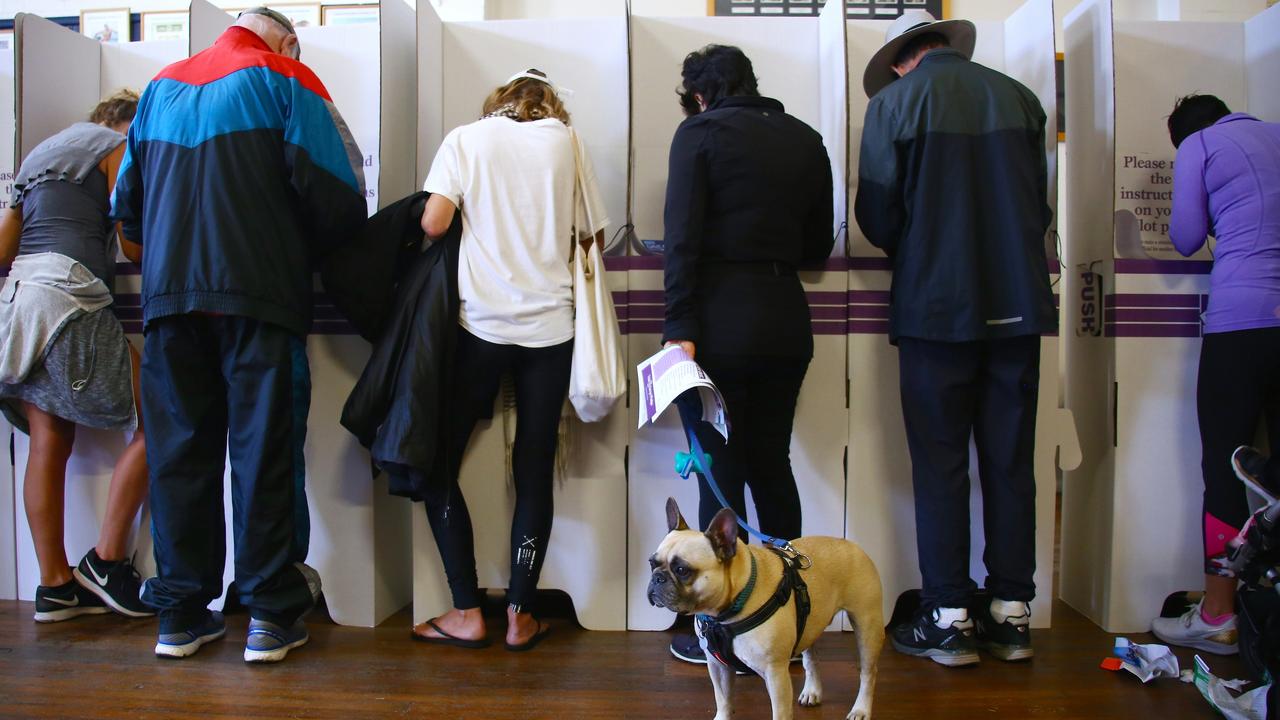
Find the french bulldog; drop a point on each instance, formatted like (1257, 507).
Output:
(703, 572)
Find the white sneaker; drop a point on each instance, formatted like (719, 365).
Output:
(1190, 630)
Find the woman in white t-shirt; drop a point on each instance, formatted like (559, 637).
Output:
(512, 175)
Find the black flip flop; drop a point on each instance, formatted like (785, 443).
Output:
(531, 643)
(447, 639)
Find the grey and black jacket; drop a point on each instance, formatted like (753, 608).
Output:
(953, 186)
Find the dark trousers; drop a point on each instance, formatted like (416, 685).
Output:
(987, 389)
(1238, 385)
(760, 393)
(210, 383)
(541, 378)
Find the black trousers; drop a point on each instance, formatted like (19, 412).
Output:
(760, 393)
(1238, 385)
(541, 377)
(987, 389)
(207, 380)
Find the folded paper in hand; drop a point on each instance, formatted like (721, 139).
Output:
(664, 376)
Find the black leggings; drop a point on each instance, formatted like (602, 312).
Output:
(760, 393)
(541, 378)
(1238, 385)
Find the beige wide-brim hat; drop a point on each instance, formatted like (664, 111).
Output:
(912, 24)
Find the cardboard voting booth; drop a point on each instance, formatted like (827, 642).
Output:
(60, 76)
(1132, 512)
(9, 503)
(880, 509)
(459, 64)
(359, 535)
(786, 54)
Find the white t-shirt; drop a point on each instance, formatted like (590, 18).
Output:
(513, 182)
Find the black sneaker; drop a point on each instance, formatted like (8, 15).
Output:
(688, 649)
(1250, 466)
(1009, 640)
(68, 600)
(116, 583)
(951, 646)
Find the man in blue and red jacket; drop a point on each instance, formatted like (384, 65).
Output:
(238, 173)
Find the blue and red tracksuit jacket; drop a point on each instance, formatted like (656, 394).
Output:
(238, 174)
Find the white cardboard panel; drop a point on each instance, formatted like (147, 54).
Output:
(864, 38)
(93, 460)
(345, 58)
(399, 82)
(1262, 63)
(208, 21)
(9, 503)
(589, 57)
(880, 500)
(1194, 57)
(57, 74)
(782, 51)
(430, 90)
(132, 65)
(1029, 35)
(833, 105)
(1087, 500)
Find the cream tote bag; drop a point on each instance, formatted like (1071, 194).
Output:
(598, 378)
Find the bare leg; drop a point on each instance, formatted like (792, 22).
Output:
(722, 684)
(467, 624)
(44, 491)
(521, 627)
(778, 680)
(128, 487)
(811, 693)
(1219, 595)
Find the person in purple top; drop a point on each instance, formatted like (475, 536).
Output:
(1226, 183)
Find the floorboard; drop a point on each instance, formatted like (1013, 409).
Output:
(102, 667)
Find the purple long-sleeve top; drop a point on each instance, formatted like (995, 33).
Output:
(1226, 182)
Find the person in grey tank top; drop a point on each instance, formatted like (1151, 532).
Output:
(65, 359)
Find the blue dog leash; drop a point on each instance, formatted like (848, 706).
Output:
(698, 461)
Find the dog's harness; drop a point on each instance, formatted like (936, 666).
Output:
(720, 634)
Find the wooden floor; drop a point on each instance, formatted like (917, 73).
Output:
(103, 667)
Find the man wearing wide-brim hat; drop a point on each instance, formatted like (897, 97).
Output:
(952, 185)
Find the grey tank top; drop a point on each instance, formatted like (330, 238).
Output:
(71, 219)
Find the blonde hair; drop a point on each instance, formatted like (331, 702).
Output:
(526, 99)
(117, 108)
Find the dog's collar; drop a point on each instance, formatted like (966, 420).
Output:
(740, 601)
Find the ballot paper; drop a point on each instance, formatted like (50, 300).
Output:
(664, 376)
(1225, 695)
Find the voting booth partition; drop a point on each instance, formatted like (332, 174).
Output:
(359, 535)
(60, 76)
(459, 64)
(9, 502)
(880, 509)
(1132, 323)
(785, 53)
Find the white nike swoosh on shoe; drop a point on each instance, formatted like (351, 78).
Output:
(68, 603)
(97, 578)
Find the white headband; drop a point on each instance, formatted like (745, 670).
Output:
(564, 92)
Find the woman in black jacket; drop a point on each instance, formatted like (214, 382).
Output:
(749, 200)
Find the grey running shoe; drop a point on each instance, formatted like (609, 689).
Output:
(269, 642)
(180, 637)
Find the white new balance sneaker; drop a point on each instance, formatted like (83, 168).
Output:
(1190, 630)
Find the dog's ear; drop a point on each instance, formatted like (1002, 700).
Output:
(675, 521)
(723, 534)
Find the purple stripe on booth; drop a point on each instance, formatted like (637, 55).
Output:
(829, 328)
(868, 297)
(641, 327)
(1130, 266)
(1153, 330)
(646, 297)
(869, 312)
(1154, 315)
(826, 297)
(871, 263)
(1153, 300)
(828, 313)
(646, 312)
